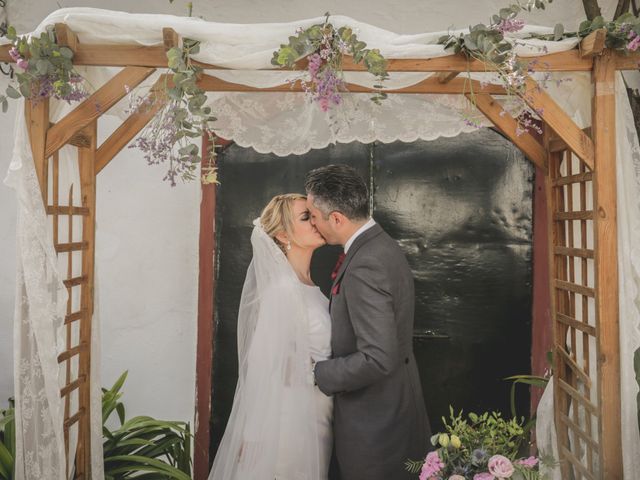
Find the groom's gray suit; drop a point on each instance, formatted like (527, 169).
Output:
(379, 415)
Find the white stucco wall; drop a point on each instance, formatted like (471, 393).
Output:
(147, 236)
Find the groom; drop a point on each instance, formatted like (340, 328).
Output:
(379, 415)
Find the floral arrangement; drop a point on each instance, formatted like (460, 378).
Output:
(325, 47)
(173, 134)
(45, 69)
(479, 447)
(488, 44)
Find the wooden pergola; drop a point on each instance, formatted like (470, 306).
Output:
(577, 165)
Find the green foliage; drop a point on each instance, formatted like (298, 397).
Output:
(339, 42)
(44, 69)
(143, 447)
(487, 431)
(7, 441)
(174, 132)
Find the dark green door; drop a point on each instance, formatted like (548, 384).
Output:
(461, 209)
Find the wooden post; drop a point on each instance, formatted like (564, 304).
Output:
(606, 263)
(206, 330)
(37, 119)
(86, 161)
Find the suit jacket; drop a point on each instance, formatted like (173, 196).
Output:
(379, 415)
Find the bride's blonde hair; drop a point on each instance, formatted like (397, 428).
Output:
(278, 216)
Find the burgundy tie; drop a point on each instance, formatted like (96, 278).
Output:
(334, 273)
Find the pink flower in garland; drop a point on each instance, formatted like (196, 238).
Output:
(14, 54)
(432, 466)
(527, 462)
(500, 466)
(483, 476)
(633, 45)
(23, 64)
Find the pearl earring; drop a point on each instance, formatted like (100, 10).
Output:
(288, 245)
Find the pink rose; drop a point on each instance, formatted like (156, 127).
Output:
(432, 465)
(500, 466)
(528, 462)
(23, 64)
(456, 477)
(483, 476)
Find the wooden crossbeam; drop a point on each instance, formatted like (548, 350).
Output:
(155, 56)
(66, 37)
(593, 44)
(94, 106)
(446, 77)
(627, 61)
(509, 127)
(130, 127)
(578, 325)
(559, 121)
(211, 83)
(170, 38)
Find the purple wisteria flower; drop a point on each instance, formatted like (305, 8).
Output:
(509, 25)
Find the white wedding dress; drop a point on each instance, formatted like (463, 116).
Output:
(280, 423)
(320, 349)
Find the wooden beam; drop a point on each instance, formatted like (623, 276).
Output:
(430, 85)
(509, 127)
(206, 324)
(86, 163)
(593, 44)
(556, 144)
(94, 106)
(66, 37)
(37, 119)
(126, 132)
(559, 121)
(627, 61)
(446, 77)
(606, 263)
(170, 38)
(107, 55)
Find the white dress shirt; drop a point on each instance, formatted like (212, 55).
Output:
(361, 230)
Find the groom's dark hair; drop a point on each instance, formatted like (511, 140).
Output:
(338, 188)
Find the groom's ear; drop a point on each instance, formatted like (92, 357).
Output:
(337, 218)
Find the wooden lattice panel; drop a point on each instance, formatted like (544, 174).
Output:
(71, 210)
(577, 410)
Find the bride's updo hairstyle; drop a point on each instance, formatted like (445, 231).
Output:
(277, 216)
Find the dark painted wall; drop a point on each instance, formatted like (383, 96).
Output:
(461, 209)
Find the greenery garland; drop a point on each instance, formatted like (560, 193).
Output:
(324, 46)
(173, 134)
(44, 70)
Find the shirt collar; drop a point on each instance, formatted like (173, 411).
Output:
(362, 229)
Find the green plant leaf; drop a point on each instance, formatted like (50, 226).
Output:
(12, 92)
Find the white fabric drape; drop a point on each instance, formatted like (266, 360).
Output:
(283, 123)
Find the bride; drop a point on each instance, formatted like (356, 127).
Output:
(280, 423)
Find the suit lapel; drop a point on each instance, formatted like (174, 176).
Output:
(362, 239)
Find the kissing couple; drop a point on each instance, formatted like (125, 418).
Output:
(317, 375)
